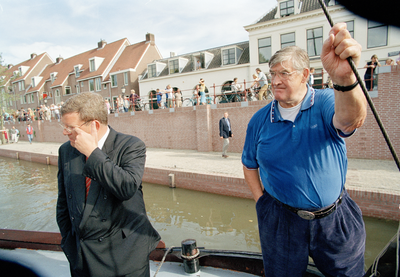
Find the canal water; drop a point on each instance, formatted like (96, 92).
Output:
(28, 193)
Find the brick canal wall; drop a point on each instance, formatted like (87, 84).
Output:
(196, 128)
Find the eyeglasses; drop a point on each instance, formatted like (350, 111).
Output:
(69, 130)
(283, 75)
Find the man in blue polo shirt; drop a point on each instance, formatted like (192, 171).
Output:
(295, 164)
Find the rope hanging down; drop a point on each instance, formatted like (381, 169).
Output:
(370, 103)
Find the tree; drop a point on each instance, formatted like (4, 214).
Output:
(4, 96)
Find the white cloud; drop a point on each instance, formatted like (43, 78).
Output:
(181, 26)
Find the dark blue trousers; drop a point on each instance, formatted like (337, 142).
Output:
(336, 242)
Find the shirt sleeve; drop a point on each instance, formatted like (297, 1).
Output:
(249, 154)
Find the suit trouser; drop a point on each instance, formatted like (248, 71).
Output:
(263, 90)
(225, 146)
(335, 242)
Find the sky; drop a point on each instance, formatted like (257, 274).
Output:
(68, 27)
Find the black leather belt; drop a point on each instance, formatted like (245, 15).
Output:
(316, 214)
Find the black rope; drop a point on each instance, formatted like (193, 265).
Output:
(371, 104)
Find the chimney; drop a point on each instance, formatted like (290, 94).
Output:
(101, 44)
(59, 59)
(9, 66)
(172, 54)
(33, 55)
(150, 39)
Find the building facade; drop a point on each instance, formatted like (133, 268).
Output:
(303, 23)
(110, 70)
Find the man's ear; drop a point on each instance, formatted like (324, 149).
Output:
(306, 74)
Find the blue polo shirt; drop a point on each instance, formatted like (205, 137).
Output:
(302, 163)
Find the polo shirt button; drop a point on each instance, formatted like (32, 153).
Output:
(69, 196)
(100, 239)
(103, 220)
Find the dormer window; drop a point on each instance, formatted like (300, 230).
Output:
(173, 66)
(53, 76)
(92, 65)
(177, 65)
(35, 81)
(155, 69)
(77, 69)
(95, 63)
(152, 70)
(231, 55)
(22, 70)
(286, 8)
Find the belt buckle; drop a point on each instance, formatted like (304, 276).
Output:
(305, 215)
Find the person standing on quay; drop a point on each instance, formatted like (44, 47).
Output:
(294, 162)
(14, 134)
(263, 82)
(225, 132)
(29, 132)
(100, 209)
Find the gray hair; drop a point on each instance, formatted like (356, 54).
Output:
(295, 54)
(90, 106)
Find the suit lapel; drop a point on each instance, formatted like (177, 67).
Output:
(77, 180)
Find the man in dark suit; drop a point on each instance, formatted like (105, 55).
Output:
(225, 132)
(100, 209)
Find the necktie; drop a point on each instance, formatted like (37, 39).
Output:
(88, 182)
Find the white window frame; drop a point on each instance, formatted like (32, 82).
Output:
(382, 27)
(288, 10)
(126, 80)
(98, 84)
(266, 47)
(291, 43)
(92, 65)
(315, 40)
(91, 85)
(77, 72)
(173, 66)
(114, 81)
(66, 89)
(152, 70)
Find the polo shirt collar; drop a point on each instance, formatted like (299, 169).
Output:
(308, 102)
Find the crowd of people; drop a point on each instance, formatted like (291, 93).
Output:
(42, 112)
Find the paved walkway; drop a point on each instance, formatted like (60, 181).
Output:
(369, 175)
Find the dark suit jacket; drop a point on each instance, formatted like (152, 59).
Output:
(224, 128)
(110, 235)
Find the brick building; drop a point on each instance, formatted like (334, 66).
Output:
(110, 69)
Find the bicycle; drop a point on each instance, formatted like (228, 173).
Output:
(227, 98)
(139, 106)
(188, 102)
(253, 94)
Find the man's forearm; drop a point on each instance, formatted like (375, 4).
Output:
(350, 109)
(252, 178)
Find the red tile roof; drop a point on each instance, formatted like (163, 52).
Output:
(109, 52)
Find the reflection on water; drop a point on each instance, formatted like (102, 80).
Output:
(215, 221)
(28, 193)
